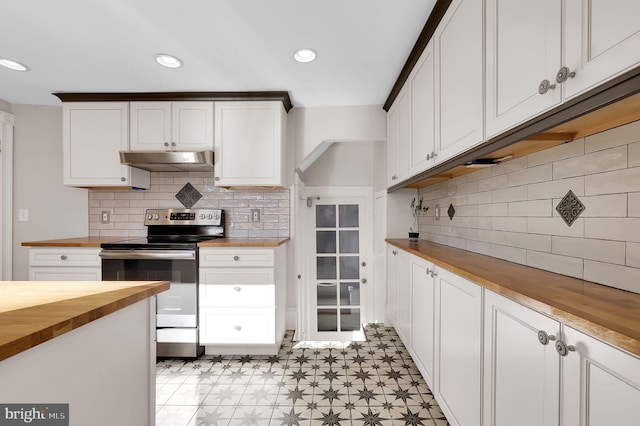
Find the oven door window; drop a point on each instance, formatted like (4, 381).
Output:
(176, 307)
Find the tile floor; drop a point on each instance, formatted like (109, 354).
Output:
(361, 383)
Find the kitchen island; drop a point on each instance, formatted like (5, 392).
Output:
(87, 344)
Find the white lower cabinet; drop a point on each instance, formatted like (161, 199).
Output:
(392, 285)
(422, 316)
(600, 383)
(521, 365)
(242, 300)
(65, 264)
(403, 327)
(458, 346)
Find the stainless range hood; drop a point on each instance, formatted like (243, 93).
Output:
(169, 161)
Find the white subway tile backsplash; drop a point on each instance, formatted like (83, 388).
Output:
(522, 240)
(564, 265)
(619, 229)
(541, 173)
(602, 250)
(514, 224)
(626, 180)
(536, 208)
(633, 254)
(516, 193)
(493, 210)
(555, 226)
(479, 247)
(618, 136)
(495, 182)
(479, 198)
(634, 155)
(559, 152)
(614, 205)
(479, 174)
(634, 204)
(618, 276)
(509, 253)
(556, 188)
(509, 166)
(597, 162)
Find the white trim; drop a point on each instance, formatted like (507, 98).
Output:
(6, 215)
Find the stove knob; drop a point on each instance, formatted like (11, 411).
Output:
(217, 216)
(209, 216)
(156, 217)
(201, 215)
(149, 216)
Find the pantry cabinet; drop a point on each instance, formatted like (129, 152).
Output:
(181, 126)
(65, 264)
(403, 326)
(459, 79)
(423, 316)
(600, 383)
(93, 133)
(242, 300)
(458, 347)
(250, 144)
(392, 285)
(521, 366)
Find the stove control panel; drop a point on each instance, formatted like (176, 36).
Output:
(213, 217)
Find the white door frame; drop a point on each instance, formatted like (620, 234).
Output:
(307, 254)
(6, 186)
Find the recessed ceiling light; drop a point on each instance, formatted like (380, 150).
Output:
(305, 55)
(168, 61)
(13, 65)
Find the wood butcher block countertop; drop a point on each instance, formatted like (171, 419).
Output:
(604, 312)
(32, 312)
(96, 241)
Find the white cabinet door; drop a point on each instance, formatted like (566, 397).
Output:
(399, 134)
(64, 264)
(171, 126)
(422, 137)
(458, 348)
(249, 143)
(93, 133)
(521, 374)
(602, 40)
(392, 285)
(422, 317)
(404, 298)
(392, 145)
(523, 48)
(459, 62)
(601, 384)
(48, 273)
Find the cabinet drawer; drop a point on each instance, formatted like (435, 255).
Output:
(252, 276)
(236, 257)
(64, 257)
(57, 273)
(238, 295)
(250, 326)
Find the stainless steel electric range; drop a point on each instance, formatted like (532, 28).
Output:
(168, 253)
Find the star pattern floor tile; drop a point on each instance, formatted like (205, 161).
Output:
(370, 383)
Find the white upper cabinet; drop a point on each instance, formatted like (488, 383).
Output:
(249, 143)
(523, 51)
(178, 126)
(422, 98)
(601, 40)
(398, 137)
(459, 85)
(93, 133)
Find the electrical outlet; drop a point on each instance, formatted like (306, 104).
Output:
(105, 217)
(255, 215)
(23, 215)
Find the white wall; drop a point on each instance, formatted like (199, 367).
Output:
(509, 210)
(344, 164)
(55, 211)
(5, 106)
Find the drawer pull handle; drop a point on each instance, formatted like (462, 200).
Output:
(236, 258)
(63, 257)
(237, 288)
(237, 328)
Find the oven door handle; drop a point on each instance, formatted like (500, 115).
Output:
(148, 254)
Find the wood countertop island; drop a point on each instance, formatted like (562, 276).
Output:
(86, 345)
(607, 313)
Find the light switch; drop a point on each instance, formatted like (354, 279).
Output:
(23, 215)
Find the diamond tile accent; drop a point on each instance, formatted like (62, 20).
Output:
(570, 208)
(451, 212)
(188, 196)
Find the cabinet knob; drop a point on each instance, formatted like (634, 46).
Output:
(173, 144)
(428, 271)
(123, 179)
(563, 349)
(394, 252)
(216, 178)
(63, 257)
(237, 288)
(544, 338)
(433, 155)
(236, 258)
(394, 177)
(237, 328)
(364, 264)
(545, 86)
(434, 273)
(166, 144)
(299, 276)
(363, 280)
(564, 74)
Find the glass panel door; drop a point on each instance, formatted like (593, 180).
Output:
(336, 313)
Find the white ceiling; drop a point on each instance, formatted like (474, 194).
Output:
(226, 45)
